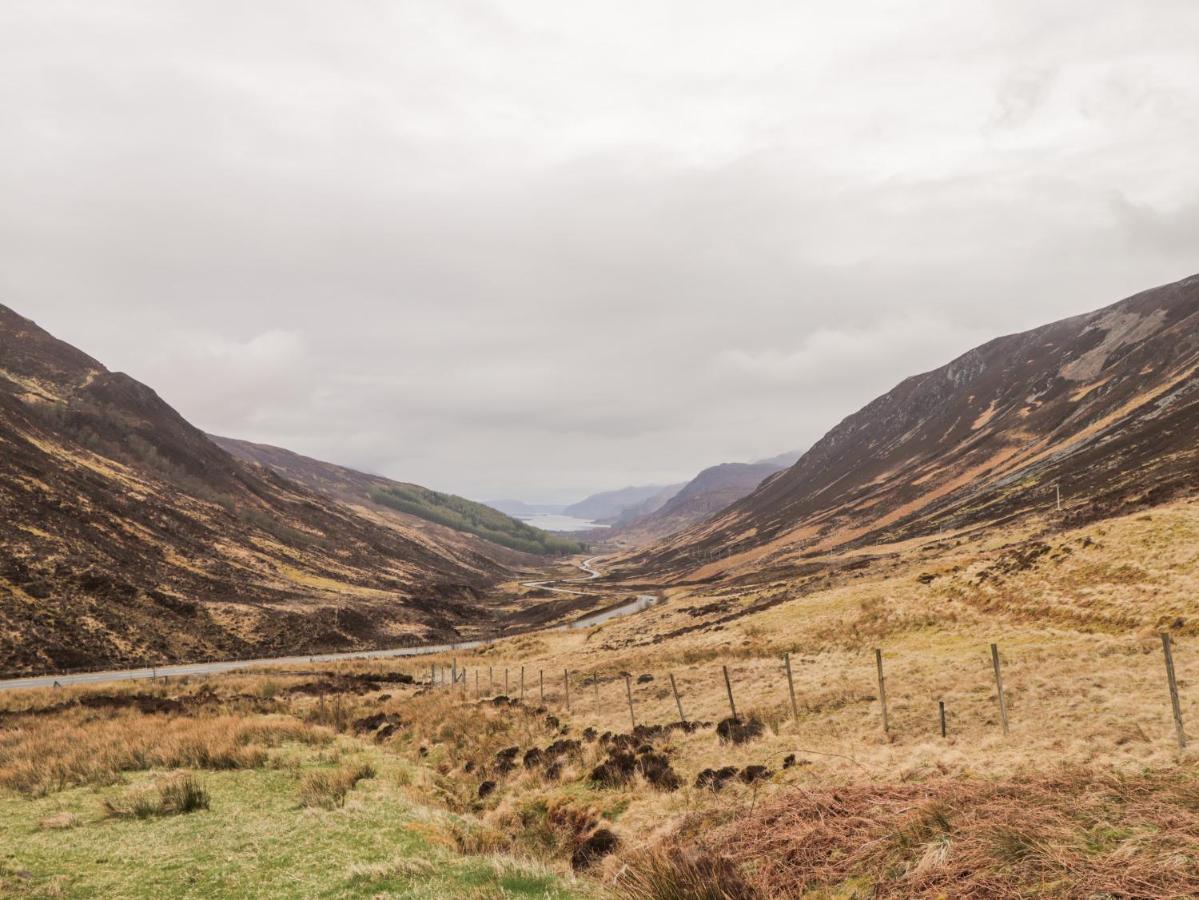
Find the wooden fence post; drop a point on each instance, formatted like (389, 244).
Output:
(728, 686)
(566, 683)
(454, 671)
(628, 686)
(999, 687)
(678, 702)
(505, 682)
(941, 704)
(477, 694)
(1173, 682)
(882, 688)
(791, 687)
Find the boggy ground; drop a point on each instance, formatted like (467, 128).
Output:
(345, 780)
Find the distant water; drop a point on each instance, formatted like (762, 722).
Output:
(560, 523)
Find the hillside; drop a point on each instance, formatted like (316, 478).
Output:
(706, 494)
(412, 506)
(129, 536)
(612, 506)
(1104, 404)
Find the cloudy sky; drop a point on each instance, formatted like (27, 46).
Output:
(537, 249)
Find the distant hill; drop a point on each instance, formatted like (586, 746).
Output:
(706, 494)
(782, 461)
(415, 502)
(1105, 404)
(521, 509)
(711, 491)
(129, 536)
(609, 506)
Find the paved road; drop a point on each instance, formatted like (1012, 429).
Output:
(212, 668)
(585, 565)
(643, 601)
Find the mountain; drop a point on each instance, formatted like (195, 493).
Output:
(1104, 405)
(706, 494)
(609, 506)
(519, 508)
(129, 536)
(709, 492)
(782, 461)
(410, 504)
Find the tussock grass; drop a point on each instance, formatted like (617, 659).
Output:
(328, 788)
(674, 873)
(48, 754)
(172, 796)
(1050, 835)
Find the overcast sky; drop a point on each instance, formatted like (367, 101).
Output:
(538, 249)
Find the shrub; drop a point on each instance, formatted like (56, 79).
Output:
(672, 873)
(174, 796)
(328, 789)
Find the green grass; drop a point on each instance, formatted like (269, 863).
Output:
(255, 840)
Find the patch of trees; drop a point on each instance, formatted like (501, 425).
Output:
(474, 518)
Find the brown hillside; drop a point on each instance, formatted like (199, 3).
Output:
(1105, 404)
(129, 536)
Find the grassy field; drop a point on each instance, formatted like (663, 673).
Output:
(342, 780)
(302, 812)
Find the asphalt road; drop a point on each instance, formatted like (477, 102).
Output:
(212, 668)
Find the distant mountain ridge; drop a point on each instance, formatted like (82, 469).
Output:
(1106, 404)
(417, 504)
(707, 493)
(520, 509)
(608, 506)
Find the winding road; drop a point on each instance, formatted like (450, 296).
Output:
(643, 601)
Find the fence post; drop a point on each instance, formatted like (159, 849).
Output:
(541, 684)
(566, 682)
(728, 686)
(791, 687)
(882, 687)
(941, 704)
(1173, 682)
(628, 686)
(477, 694)
(454, 670)
(677, 701)
(999, 686)
(490, 680)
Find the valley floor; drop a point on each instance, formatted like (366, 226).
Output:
(455, 792)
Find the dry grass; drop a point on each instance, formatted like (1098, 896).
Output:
(44, 754)
(172, 796)
(842, 807)
(1072, 834)
(328, 789)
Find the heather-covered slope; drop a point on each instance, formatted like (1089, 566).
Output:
(129, 536)
(1106, 405)
(449, 520)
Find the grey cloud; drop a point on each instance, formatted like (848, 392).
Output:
(536, 249)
